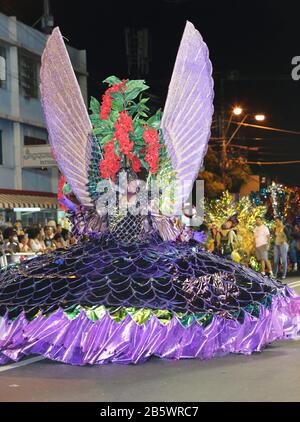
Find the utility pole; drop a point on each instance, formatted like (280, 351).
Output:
(47, 18)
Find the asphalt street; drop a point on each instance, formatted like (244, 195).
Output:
(273, 375)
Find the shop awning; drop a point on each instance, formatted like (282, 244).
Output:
(10, 199)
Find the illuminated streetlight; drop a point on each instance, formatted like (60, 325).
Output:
(260, 117)
(237, 111)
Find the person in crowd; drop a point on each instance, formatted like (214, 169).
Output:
(3, 261)
(11, 242)
(24, 243)
(34, 240)
(262, 243)
(11, 245)
(52, 223)
(281, 248)
(228, 236)
(295, 246)
(214, 239)
(72, 240)
(59, 241)
(66, 237)
(48, 240)
(59, 228)
(18, 227)
(41, 238)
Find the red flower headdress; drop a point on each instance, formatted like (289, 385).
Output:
(124, 131)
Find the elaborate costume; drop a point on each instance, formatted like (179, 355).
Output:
(132, 288)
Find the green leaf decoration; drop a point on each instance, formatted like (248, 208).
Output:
(133, 109)
(138, 131)
(141, 113)
(116, 148)
(114, 115)
(154, 121)
(106, 139)
(116, 96)
(143, 122)
(112, 80)
(144, 163)
(95, 106)
(117, 105)
(131, 95)
(142, 107)
(105, 125)
(138, 84)
(94, 119)
(100, 132)
(140, 143)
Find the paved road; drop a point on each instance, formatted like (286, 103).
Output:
(273, 375)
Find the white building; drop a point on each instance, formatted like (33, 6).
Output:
(26, 165)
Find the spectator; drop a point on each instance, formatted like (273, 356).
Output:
(41, 238)
(52, 224)
(11, 242)
(294, 245)
(72, 240)
(281, 248)
(18, 227)
(34, 240)
(66, 237)
(58, 228)
(48, 240)
(262, 241)
(59, 241)
(24, 243)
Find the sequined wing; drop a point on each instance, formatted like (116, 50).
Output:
(188, 110)
(66, 116)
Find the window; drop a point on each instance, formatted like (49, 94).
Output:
(29, 140)
(28, 74)
(1, 151)
(2, 67)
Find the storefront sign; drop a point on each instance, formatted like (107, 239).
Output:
(38, 156)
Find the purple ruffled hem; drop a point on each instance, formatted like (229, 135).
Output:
(81, 341)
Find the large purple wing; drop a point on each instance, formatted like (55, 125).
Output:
(188, 110)
(66, 116)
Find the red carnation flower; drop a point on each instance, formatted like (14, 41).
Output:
(136, 164)
(122, 128)
(110, 165)
(105, 108)
(151, 138)
(106, 105)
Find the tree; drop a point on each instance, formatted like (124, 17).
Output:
(237, 173)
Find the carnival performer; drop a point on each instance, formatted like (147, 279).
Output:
(132, 288)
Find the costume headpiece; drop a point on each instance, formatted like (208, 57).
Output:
(90, 148)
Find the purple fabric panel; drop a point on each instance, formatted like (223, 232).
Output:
(82, 341)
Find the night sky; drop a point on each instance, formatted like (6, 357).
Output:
(256, 39)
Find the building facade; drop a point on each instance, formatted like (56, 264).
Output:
(25, 159)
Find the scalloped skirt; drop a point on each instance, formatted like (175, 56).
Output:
(82, 341)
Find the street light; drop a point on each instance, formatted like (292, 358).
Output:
(237, 111)
(260, 117)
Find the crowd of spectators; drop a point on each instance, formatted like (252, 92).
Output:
(16, 239)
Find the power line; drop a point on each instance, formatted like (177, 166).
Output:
(273, 162)
(274, 129)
